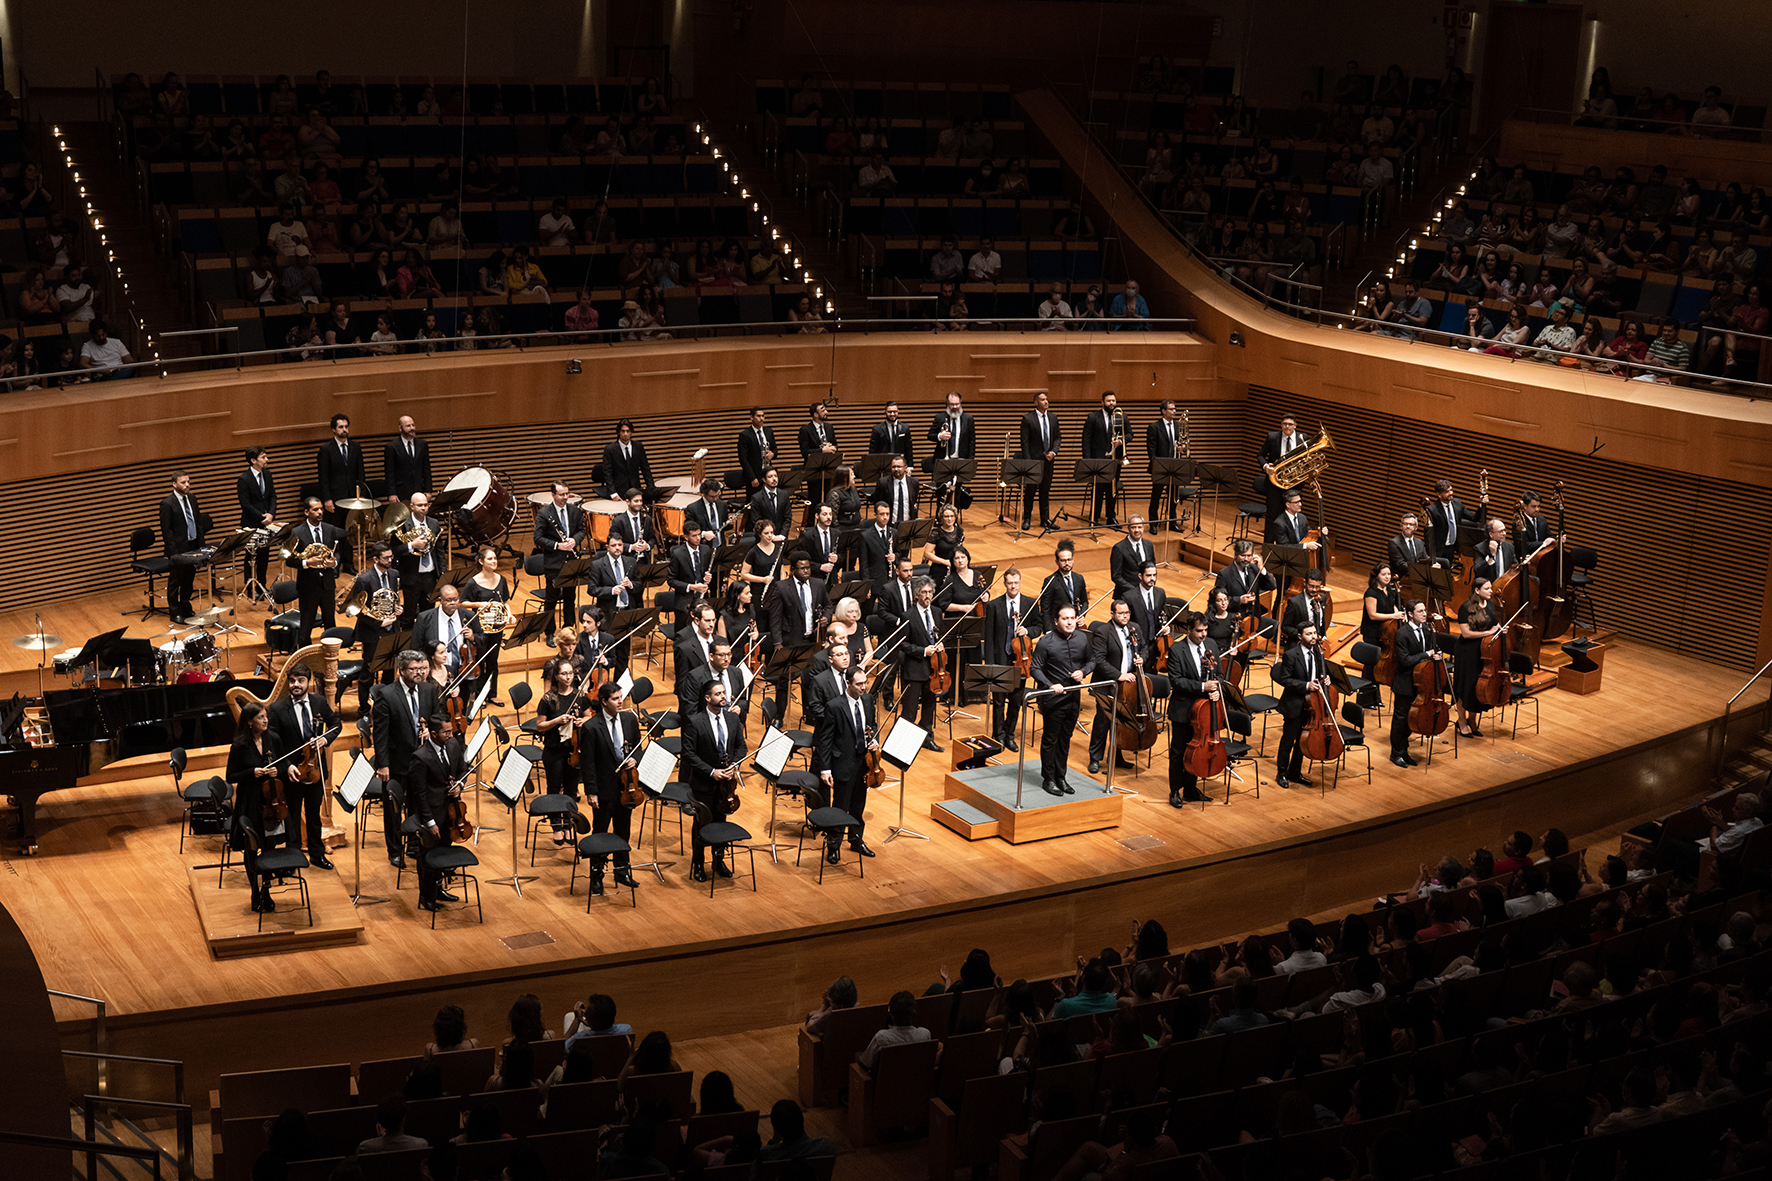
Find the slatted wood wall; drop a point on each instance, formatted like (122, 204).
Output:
(1667, 573)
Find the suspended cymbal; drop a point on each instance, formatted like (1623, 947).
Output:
(37, 641)
(204, 618)
(393, 516)
(354, 502)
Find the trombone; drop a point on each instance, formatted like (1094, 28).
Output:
(1004, 491)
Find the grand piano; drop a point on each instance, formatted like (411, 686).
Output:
(94, 727)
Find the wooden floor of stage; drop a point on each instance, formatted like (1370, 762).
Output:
(107, 907)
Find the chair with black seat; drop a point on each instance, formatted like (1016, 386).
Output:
(599, 845)
(665, 603)
(1238, 750)
(1582, 561)
(1353, 736)
(822, 820)
(1519, 666)
(177, 762)
(206, 795)
(1262, 704)
(534, 566)
(674, 795)
(451, 864)
(283, 628)
(552, 809)
(793, 785)
(281, 865)
(521, 695)
(722, 837)
(153, 566)
(1248, 514)
(1364, 689)
(802, 739)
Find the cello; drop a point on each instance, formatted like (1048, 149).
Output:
(1206, 755)
(1321, 739)
(1429, 713)
(1495, 682)
(1136, 722)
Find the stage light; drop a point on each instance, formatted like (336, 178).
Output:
(1237, 340)
(573, 368)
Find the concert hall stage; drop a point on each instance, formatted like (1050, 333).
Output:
(108, 908)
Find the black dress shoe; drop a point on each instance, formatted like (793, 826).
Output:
(1476, 733)
(319, 861)
(862, 848)
(429, 906)
(930, 744)
(1049, 524)
(597, 885)
(1025, 526)
(1402, 760)
(625, 877)
(1175, 801)
(446, 896)
(262, 905)
(1125, 764)
(722, 870)
(1094, 766)
(495, 701)
(1301, 781)
(1009, 743)
(1051, 788)
(1065, 787)
(398, 861)
(699, 874)
(1194, 795)
(833, 853)
(1280, 782)
(1412, 760)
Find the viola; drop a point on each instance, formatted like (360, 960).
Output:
(874, 772)
(273, 806)
(1321, 738)
(1135, 719)
(940, 678)
(1021, 648)
(310, 770)
(1430, 714)
(1206, 754)
(632, 794)
(461, 829)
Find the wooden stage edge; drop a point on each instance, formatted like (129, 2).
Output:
(1201, 900)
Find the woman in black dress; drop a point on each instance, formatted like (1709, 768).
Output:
(1381, 607)
(250, 769)
(488, 586)
(763, 563)
(738, 619)
(1221, 621)
(946, 537)
(844, 500)
(1477, 621)
(556, 713)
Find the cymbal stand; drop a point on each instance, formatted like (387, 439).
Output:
(250, 586)
(227, 633)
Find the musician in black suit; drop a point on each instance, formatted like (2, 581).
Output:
(380, 575)
(1290, 527)
(819, 541)
(1304, 609)
(1191, 677)
(713, 746)
(1415, 643)
(252, 759)
(1534, 532)
(304, 717)
(612, 579)
(1061, 660)
(1130, 554)
(1116, 653)
(559, 536)
(1246, 579)
(1409, 547)
(638, 534)
(314, 583)
(771, 504)
(692, 651)
(406, 462)
(1495, 554)
(756, 448)
(892, 437)
(719, 667)
(922, 637)
(595, 648)
(1274, 448)
(899, 491)
(433, 778)
(1007, 616)
(955, 437)
(690, 575)
(846, 731)
(624, 463)
(823, 681)
(340, 463)
(708, 512)
(1065, 587)
(1298, 672)
(418, 554)
(609, 740)
(817, 438)
(795, 609)
(878, 546)
(395, 712)
(443, 624)
(1448, 515)
(1041, 439)
(256, 490)
(1104, 436)
(1149, 603)
(181, 532)
(1164, 439)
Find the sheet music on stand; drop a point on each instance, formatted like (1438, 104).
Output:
(472, 753)
(626, 682)
(773, 751)
(480, 698)
(356, 781)
(657, 765)
(902, 742)
(512, 775)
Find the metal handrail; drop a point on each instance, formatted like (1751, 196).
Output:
(100, 1042)
(92, 1149)
(182, 1116)
(1729, 707)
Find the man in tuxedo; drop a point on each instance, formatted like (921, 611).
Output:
(609, 740)
(433, 778)
(955, 437)
(922, 639)
(1114, 655)
(418, 560)
(817, 438)
(1148, 603)
(396, 714)
(443, 624)
(1163, 440)
(819, 540)
(713, 745)
(1415, 643)
(1041, 438)
(1246, 579)
(1304, 609)
(846, 732)
(1129, 555)
(380, 575)
(612, 583)
(256, 490)
(559, 536)
(1007, 616)
(692, 652)
(795, 608)
(891, 437)
(1292, 525)
(1274, 448)
(1191, 677)
(878, 551)
(720, 667)
(595, 647)
(314, 583)
(1297, 672)
(638, 534)
(297, 719)
(341, 470)
(624, 463)
(1102, 441)
(771, 504)
(1061, 660)
(690, 576)
(1065, 587)
(1535, 532)
(895, 600)
(1408, 546)
(708, 512)
(406, 462)
(1447, 515)
(824, 681)
(1495, 554)
(898, 490)
(756, 449)
(180, 533)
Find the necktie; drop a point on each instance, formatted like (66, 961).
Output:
(1451, 526)
(719, 736)
(899, 513)
(1170, 427)
(1010, 614)
(626, 453)
(314, 532)
(190, 520)
(806, 606)
(695, 565)
(260, 477)
(772, 504)
(454, 643)
(953, 436)
(929, 625)
(820, 429)
(1286, 444)
(1069, 592)
(384, 580)
(761, 445)
(344, 451)
(1150, 608)
(824, 541)
(634, 525)
(1138, 552)
(861, 726)
(410, 453)
(307, 725)
(615, 735)
(1125, 651)
(621, 594)
(560, 512)
(412, 706)
(1045, 436)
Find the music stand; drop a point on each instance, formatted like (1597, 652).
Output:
(507, 784)
(953, 474)
(632, 624)
(230, 545)
(1096, 472)
(348, 794)
(647, 574)
(786, 663)
(991, 680)
(872, 466)
(454, 576)
(964, 634)
(900, 747)
(726, 559)
(1430, 582)
(1021, 474)
(818, 469)
(1173, 474)
(914, 535)
(848, 538)
(1220, 478)
(1286, 562)
(526, 629)
(387, 647)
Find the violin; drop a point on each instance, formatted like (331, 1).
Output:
(1206, 755)
(1021, 648)
(874, 770)
(1136, 721)
(273, 804)
(1321, 738)
(1429, 715)
(461, 829)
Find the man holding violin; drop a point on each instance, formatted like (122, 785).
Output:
(1008, 617)
(301, 718)
(1415, 643)
(1245, 580)
(396, 711)
(1299, 672)
(1305, 607)
(609, 743)
(1192, 677)
(846, 732)
(432, 780)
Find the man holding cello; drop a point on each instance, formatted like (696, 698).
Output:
(1415, 644)
(1298, 673)
(1192, 678)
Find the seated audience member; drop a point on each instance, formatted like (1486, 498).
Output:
(986, 264)
(594, 1017)
(1129, 309)
(1668, 351)
(1243, 1014)
(105, 357)
(449, 1031)
(1095, 993)
(390, 1134)
(790, 1141)
(1054, 313)
(1302, 935)
(876, 178)
(946, 264)
(841, 994)
(901, 1012)
(1402, 317)
(1559, 334)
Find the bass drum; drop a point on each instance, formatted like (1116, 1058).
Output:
(491, 508)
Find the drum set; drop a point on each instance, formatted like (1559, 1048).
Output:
(189, 654)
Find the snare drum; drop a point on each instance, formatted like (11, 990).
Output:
(199, 648)
(491, 509)
(171, 659)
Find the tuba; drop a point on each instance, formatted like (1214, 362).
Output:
(1305, 464)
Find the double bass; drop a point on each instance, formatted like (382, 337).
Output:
(1206, 754)
(1136, 720)
(1556, 609)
